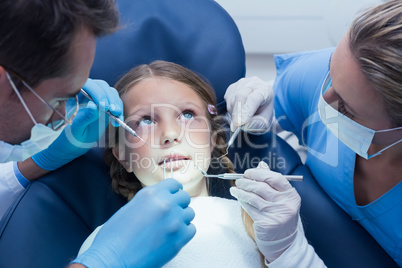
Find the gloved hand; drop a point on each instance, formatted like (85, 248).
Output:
(88, 126)
(249, 101)
(147, 232)
(274, 206)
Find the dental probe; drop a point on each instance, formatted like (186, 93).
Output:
(234, 136)
(171, 168)
(121, 123)
(235, 176)
(164, 169)
(231, 141)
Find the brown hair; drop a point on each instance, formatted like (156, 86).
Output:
(36, 35)
(126, 183)
(376, 43)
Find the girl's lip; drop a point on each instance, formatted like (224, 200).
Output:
(173, 158)
(174, 165)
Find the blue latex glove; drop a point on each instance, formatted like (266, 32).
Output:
(88, 126)
(147, 232)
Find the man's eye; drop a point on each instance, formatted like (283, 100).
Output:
(145, 121)
(60, 105)
(187, 115)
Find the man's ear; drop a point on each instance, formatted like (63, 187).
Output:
(116, 152)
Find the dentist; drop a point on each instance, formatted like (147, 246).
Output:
(345, 105)
(46, 52)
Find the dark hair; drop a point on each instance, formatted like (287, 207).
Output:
(36, 35)
(376, 43)
(126, 183)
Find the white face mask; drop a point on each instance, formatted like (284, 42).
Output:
(41, 137)
(357, 137)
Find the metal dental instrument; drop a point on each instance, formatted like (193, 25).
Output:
(234, 136)
(235, 176)
(171, 168)
(231, 141)
(164, 169)
(121, 123)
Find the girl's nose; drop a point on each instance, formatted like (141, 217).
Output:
(170, 132)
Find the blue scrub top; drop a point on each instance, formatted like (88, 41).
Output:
(297, 89)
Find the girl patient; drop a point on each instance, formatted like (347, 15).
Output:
(173, 110)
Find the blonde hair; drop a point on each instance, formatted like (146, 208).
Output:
(376, 43)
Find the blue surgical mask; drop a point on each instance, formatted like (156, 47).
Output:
(354, 135)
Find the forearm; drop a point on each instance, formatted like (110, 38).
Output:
(30, 170)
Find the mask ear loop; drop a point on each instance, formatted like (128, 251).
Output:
(20, 97)
(389, 146)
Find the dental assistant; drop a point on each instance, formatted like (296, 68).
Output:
(345, 106)
(46, 52)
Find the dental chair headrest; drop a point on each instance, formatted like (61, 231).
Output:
(203, 38)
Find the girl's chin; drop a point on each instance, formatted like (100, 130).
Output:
(188, 177)
(196, 188)
(184, 174)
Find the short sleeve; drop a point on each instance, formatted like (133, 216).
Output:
(297, 86)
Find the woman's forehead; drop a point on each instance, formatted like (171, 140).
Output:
(351, 85)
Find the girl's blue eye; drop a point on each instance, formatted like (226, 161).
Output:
(187, 115)
(145, 121)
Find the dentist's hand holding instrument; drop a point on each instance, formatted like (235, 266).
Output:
(88, 126)
(147, 232)
(249, 102)
(116, 121)
(159, 213)
(236, 176)
(274, 206)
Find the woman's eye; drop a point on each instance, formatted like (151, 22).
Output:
(342, 110)
(187, 115)
(145, 121)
